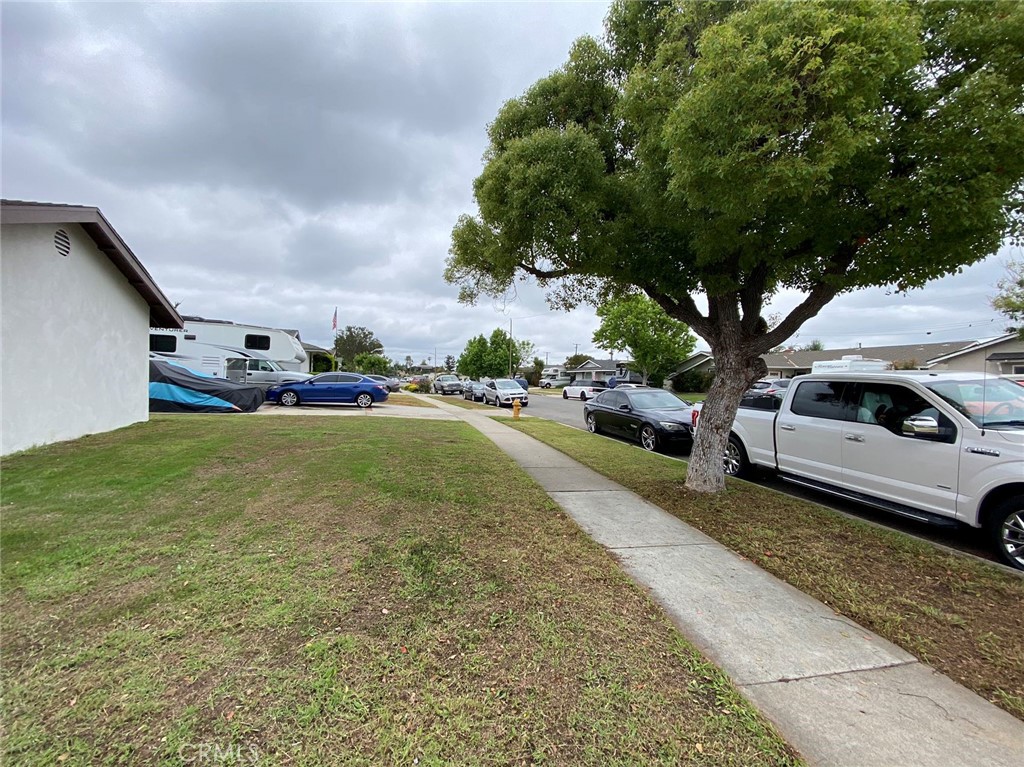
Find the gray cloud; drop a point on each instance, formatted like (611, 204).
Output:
(268, 162)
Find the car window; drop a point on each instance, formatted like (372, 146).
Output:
(758, 401)
(611, 398)
(508, 385)
(657, 399)
(349, 378)
(266, 367)
(822, 399)
(891, 406)
(327, 378)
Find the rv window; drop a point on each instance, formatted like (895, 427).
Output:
(257, 342)
(190, 338)
(163, 343)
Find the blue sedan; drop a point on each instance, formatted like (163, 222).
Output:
(330, 388)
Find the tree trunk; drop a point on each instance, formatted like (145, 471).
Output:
(736, 369)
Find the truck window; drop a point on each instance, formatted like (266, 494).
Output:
(161, 343)
(822, 399)
(891, 405)
(253, 341)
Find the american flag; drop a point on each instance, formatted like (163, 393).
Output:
(334, 322)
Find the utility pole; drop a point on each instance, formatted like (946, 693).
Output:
(510, 371)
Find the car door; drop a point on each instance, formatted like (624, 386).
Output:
(886, 453)
(319, 391)
(490, 392)
(809, 433)
(260, 371)
(605, 412)
(347, 388)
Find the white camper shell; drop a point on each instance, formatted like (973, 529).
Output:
(850, 362)
(229, 350)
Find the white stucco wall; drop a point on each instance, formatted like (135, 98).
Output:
(74, 342)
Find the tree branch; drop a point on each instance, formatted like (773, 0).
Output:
(546, 274)
(682, 308)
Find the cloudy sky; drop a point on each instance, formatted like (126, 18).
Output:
(269, 162)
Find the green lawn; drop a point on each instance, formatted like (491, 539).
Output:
(331, 590)
(961, 616)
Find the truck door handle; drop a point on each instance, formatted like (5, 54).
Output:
(786, 427)
(853, 437)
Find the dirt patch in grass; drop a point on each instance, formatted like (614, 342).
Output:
(961, 616)
(397, 398)
(332, 590)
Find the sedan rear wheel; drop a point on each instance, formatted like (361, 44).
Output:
(592, 426)
(583, 396)
(648, 438)
(288, 398)
(364, 400)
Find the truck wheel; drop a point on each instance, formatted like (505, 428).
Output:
(1006, 526)
(288, 398)
(364, 400)
(734, 461)
(648, 438)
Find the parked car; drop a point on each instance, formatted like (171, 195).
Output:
(392, 384)
(504, 391)
(550, 382)
(268, 373)
(447, 384)
(653, 417)
(330, 388)
(584, 391)
(473, 390)
(772, 387)
(523, 383)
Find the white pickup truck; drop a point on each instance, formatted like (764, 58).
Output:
(940, 447)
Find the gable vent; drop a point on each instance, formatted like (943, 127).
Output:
(62, 242)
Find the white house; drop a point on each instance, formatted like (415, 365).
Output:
(75, 316)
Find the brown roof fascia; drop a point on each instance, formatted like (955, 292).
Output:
(162, 313)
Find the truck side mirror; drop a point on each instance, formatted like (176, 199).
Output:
(920, 426)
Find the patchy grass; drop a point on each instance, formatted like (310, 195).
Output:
(397, 398)
(333, 590)
(692, 396)
(469, 405)
(961, 616)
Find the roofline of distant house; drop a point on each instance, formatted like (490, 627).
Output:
(162, 313)
(974, 348)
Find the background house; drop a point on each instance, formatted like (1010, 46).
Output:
(602, 370)
(76, 311)
(1001, 354)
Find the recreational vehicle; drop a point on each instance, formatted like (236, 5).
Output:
(230, 350)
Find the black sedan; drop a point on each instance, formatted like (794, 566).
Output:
(473, 390)
(653, 417)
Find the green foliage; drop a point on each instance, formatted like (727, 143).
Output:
(492, 357)
(734, 150)
(352, 341)
(576, 360)
(321, 363)
(449, 363)
(817, 345)
(693, 380)
(636, 324)
(1010, 300)
(374, 364)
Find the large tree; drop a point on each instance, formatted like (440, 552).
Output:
(353, 341)
(373, 364)
(635, 324)
(712, 154)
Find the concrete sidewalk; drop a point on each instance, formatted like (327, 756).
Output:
(838, 693)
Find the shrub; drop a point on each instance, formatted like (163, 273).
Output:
(693, 381)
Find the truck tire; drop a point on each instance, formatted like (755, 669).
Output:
(1006, 530)
(735, 461)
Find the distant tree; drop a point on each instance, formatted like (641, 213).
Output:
(352, 341)
(373, 364)
(449, 363)
(491, 357)
(576, 360)
(814, 346)
(637, 325)
(1010, 300)
(714, 154)
(409, 362)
